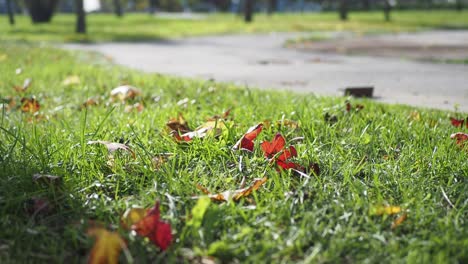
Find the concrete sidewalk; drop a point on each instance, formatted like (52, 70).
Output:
(262, 61)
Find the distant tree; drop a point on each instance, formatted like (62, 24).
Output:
(459, 5)
(387, 8)
(248, 10)
(80, 17)
(11, 16)
(152, 5)
(366, 5)
(118, 8)
(41, 11)
(343, 9)
(271, 6)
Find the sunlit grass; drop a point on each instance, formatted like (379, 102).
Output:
(380, 155)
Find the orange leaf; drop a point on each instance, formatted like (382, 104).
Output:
(399, 220)
(29, 105)
(112, 146)
(107, 246)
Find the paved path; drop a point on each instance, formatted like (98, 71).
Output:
(261, 61)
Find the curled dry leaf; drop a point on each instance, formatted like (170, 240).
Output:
(89, 102)
(356, 108)
(46, 178)
(458, 122)
(71, 80)
(38, 205)
(29, 105)
(246, 142)
(113, 146)
(386, 210)
(151, 226)
(288, 123)
(460, 137)
(399, 220)
(234, 195)
(125, 92)
(26, 84)
(178, 124)
(107, 246)
(137, 107)
(222, 116)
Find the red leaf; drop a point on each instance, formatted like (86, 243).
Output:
(246, 142)
(159, 232)
(357, 107)
(289, 165)
(288, 153)
(457, 122)
(460, 137)
(272, 148)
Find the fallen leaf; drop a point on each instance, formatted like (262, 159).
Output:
(107, 246)
(399, 220)
(138, 107)
(71, 80)
(113, 146)
(350, 107)
(458, 122)
(223, 116)
(125, 92)
(234, 195)
(178, 124)
(29, 105)
(46, 178)
(246, 141)
(89, 102)
(26, 84)
(460, 137)
(38, 205)
(415, 116)
(275, 151)
(287, 123)
(330, 119)
(151, 226)
(132, 216)
(386, 210)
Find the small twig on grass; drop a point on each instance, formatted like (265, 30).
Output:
(446, 198)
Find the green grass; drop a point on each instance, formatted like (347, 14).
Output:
(376, 156)
(138, 27)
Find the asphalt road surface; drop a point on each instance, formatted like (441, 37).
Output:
(262, 61)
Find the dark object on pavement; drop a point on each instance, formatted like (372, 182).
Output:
(359, 91)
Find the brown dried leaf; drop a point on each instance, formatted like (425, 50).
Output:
(125, 92)
(113, 146)
(179, 124)
(234, 195)
(29, 105)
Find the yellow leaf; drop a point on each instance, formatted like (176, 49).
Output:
(132, 216)
(386, 210)
(107, 246)
(399, 220)
(71, 80)
(3, 57)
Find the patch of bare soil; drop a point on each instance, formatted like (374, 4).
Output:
(388, 47)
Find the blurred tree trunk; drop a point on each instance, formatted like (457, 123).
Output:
(343, 9)
(11, 16)
(152, 5)
(366, 5)
(459, 5)
(248, 10)
(387, 9)
(118, 8)
(271, 6)
(80, 17)
(41, 11)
